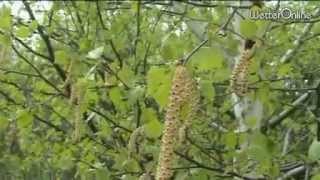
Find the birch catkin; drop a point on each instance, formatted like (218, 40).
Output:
(78, 91)
(181, 92)
(240, 73)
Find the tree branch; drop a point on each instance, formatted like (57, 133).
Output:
(207, 5)
(298, 42)
(274, 121)
(100, 16)
(186, 59)
(37, 70)
(6, 71)
(116, 53)
(30, 49)
(46, 39)
(114, 73)
(286, 142)
(110, 120)
(292, 172)
(218, 170)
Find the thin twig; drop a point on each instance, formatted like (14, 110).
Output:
(109, 120)
(138, 29)
(194, 3)
(225, 25)
(114, 73)
(186, 59)
(116, 53)
(30, 49)
(46, 40)
(298, 42)
(37, 70)
(6, 71)
(218, 170)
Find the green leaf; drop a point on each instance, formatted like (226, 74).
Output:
(135, 94)
(199, 174)
(262, 26)
(162, 94)
(230, 139)
(258, 153)
(261, 148)
(251, 121)
(172, 48)
(127, 75)
(85, 44)
(5, 40)
(148, 114)
(264, 92)
(65, 161)
(316, 177)
(134, 6)
(248, 28)
(208, 59)
(102, 174)
(159, 83)
(221, 75)
(207, 90)
(3, 123)
(23, 32)
(33, 25)
(24, 118)
(153, 129)
(6, 19)
(314, 150)
(284, 69)
(96, 53)
(61, 56)
(120, 159)
(117, 98)
(105, 130)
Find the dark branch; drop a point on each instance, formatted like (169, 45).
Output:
(6, 71)
(100, 16)
(37, 70)
(109, 120)
(218, 170)
(46, 39)
(186, 59)
(274, 121)
(207, 5)
(116, 53)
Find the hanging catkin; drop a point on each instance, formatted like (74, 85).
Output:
(240, 73)
(182, 90)
(133, 143)
(189, 108)
(78, 91)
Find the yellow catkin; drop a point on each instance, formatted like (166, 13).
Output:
(134, 140)
(182, 87)
(192, 104)
(74, 101)
(12, 137)
(194, 98)
(240, 73)
(77, 95)
(68, 81)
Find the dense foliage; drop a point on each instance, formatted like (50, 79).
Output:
(84, 88)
